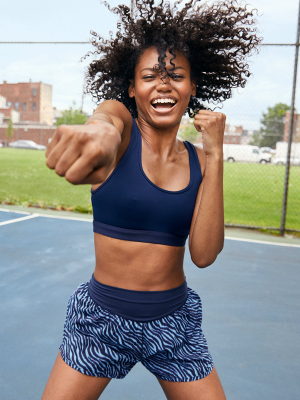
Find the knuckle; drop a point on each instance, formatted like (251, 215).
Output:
(68, 134)
(49, 163)
(59, 171)
(82, 137)
(60, 129)
(72, 178)
(95, 155)
(64, 132)
(96, 149)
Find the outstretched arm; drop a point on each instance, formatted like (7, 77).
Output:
(86, 153)
(207, 229)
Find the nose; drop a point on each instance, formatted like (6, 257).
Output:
(164, 84)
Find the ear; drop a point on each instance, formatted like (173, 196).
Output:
(131, 90)
(194, 88)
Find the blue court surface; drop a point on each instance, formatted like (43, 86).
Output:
(250, 297)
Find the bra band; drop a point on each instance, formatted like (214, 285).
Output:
(141, 306)
(139, 235)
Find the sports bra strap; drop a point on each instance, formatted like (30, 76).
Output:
(194, 159)
(128, 206)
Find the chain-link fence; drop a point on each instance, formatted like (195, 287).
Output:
(255, 142)
(256, 145)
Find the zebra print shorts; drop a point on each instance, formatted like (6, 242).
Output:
(99, 343)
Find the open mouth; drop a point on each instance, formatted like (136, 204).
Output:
(163, 104)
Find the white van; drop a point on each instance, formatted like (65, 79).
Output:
(245, 153)
(282, 148)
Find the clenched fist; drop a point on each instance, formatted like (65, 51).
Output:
(212, 125)
(84, 153)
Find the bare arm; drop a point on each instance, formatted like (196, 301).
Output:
(86, 153)
(207, 229)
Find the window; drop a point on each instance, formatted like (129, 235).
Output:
(8, 104)
(34, 92)
(16, 105)
(255, 151)
(24, 106)
(33, 106)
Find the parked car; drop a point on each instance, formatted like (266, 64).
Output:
(27, 144)
(245, 153)
(282, 160)
(267, 150)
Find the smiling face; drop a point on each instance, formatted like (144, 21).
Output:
(162, 101)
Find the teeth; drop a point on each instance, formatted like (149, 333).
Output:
(164, 101)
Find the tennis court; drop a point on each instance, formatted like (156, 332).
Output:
(250, 302)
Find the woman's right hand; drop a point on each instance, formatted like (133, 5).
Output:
(84, 153)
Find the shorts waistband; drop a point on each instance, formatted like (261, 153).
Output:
(136, 305)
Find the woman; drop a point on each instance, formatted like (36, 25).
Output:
(150, 191)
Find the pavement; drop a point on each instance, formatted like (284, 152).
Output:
(250, 299)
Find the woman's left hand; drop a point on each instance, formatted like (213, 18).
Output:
(212, 125)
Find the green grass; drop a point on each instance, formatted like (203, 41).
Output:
(25, 179)
(253, 195)
(253, 192)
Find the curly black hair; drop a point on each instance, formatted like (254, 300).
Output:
(216, 39)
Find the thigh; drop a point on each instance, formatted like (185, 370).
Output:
(65, 383)
(208, 388)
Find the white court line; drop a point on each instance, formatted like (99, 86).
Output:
(12, 221)
(16, 212)
(262, 242)
(48, 215)
(71, 218)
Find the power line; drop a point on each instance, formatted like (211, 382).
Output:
(89, 42)
(45, 42)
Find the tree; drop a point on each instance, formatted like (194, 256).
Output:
(9, 130)
(190, 133)
(272, 129)
(72, 116)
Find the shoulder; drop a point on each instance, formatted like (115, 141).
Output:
(117, 112)
(201, 156)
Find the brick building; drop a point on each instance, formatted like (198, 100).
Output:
(29, 106)
(232, 134)
(40, 134)
(33, 101)
(296, 133)
(247, 136)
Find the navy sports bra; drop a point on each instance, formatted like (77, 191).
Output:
(128, 206)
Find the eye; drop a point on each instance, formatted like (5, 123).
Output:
(176, 77)
(149, 77)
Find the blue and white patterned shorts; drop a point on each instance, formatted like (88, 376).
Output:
(99, 343)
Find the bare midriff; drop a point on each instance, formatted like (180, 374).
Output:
(138, 266)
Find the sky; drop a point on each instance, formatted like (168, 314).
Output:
(60, 65)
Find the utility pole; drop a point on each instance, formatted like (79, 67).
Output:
(290, 133)
(132, 8)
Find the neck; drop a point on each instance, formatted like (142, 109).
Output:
(162, 141)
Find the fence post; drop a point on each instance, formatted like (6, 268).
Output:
(290, 133)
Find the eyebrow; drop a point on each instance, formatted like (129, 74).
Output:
(151, 69)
